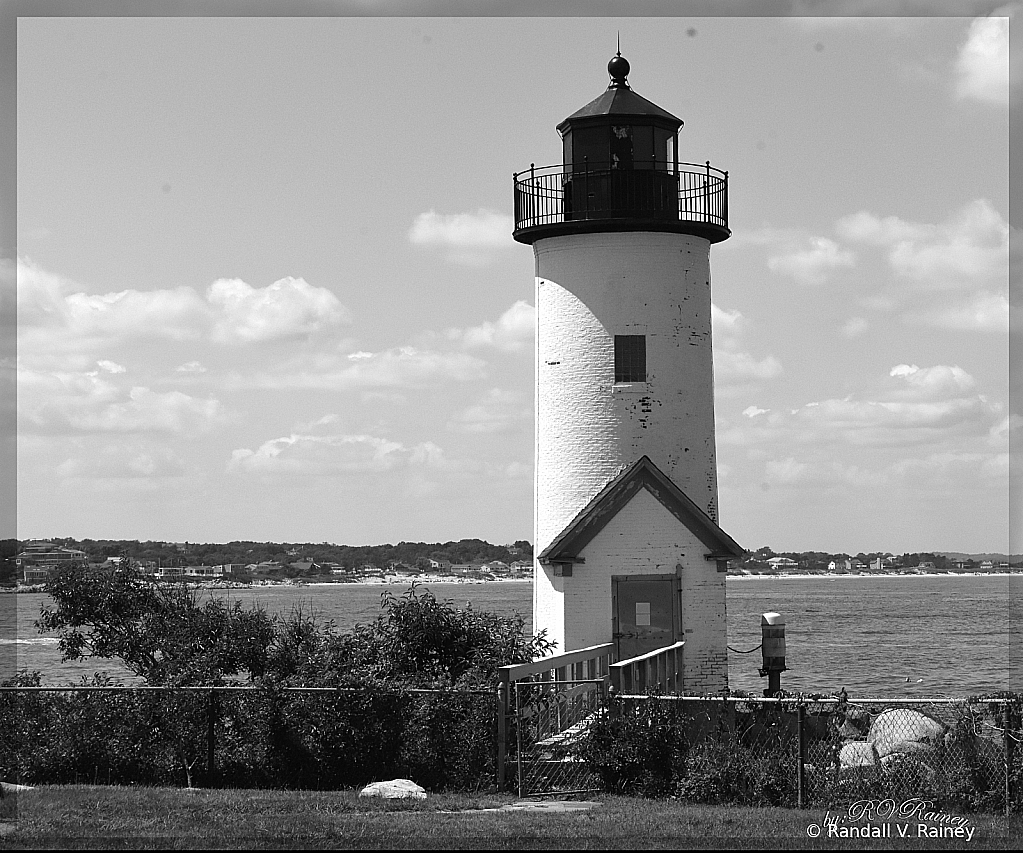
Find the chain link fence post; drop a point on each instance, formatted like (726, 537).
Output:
(1007, 755)
(801, 755)
(211, 736)
(502, 734)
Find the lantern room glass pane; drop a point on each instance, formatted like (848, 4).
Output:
(664, 146)
(589, 148)
(643, 146)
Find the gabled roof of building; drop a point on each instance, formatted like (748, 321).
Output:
(607, 503)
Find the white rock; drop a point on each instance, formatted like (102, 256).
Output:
(903, 730)
(395, 789)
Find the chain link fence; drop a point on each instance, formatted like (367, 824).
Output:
(313, 738)
(962, 755)
(550, 719)
(556, 737)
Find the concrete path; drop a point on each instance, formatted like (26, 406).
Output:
(550, 806)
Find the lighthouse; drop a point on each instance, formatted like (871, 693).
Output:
(628, 548)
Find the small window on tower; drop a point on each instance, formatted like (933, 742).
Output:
(630, 358)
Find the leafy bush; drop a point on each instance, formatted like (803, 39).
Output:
(693, 751)
(639, 748)
(726, 772)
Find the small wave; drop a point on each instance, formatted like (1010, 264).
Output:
(32, 641)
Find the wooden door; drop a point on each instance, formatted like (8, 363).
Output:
(645, 613)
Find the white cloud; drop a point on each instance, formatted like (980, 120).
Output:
(333, 455)
(865, 227)
(290, 307)
(399, 367)
(786, 470)
(513, 332)
(467, 238)
(190, 367)
(499, 411)
(924, 407)
(132, 461)
(753, 411)
(968, 250)
(723, 321)
(111, 366)
(982, 312)
(58, 323)
(732, 365)
(484, 228)
(812, 265)
(931, 382)
(982, 67)
(70, 403)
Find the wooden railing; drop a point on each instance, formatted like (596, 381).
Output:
(659, 670)
(582, 664)
(576, 681)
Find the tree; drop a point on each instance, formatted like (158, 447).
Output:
(161, 632)
(167, 635)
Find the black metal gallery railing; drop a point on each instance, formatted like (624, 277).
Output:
(691, 194)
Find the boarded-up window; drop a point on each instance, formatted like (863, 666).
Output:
(630, 358)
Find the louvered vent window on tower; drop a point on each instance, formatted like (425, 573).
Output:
(630, 358)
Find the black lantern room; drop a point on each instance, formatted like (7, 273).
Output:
(621, 173)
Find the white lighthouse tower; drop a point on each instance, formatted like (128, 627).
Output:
(626, 522)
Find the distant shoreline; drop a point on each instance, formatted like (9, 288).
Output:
(809, 575)
(433, 579)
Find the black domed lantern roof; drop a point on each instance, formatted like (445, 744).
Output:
(619, 101)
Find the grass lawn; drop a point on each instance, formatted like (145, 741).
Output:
(84, 816)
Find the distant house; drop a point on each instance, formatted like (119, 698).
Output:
(264, 569)
(784, 564)
(465, 569)
(185, 572)
(39, 557)
(496, 567)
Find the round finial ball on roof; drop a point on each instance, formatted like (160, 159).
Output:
(618, 68)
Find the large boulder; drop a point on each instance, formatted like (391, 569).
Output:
(395, 789)
(903, 730)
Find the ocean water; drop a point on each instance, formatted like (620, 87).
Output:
(886, 636)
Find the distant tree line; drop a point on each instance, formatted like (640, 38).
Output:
(819, 560)
(347, 556)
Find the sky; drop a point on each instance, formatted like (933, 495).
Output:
(267, 290)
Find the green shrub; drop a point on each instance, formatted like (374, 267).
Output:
(721, 772)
